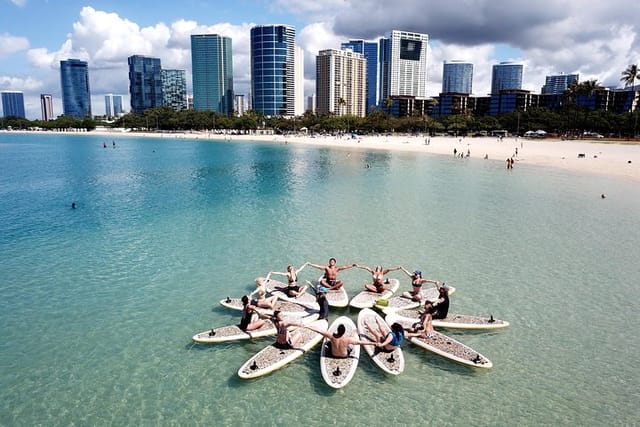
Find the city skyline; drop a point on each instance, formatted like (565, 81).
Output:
(548, 39)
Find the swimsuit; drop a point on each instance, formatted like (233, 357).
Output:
(283, 346)
(246, 319)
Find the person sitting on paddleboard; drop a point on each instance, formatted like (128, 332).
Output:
(423, 327)
(284, 340)
(339, 342)
(330, 278)
(416, 285)
(378, 282)
(248, 310)
(442, 303)
(293, 290)
(321, 299)
(386, 341)
(262, 300)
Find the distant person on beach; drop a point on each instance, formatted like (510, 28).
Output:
(262, 300)
(340, 344)
(292, 290)
(248, 310)
(378, 282)
(455, 151)
(330, 278)
(386, 341)
(416, 285)
(284, 339)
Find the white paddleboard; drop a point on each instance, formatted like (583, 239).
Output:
(271, 358)
(390, 362)
(284, 306)
(337, 372)
(444, 346)
(278, 289)
(367, 299)
(336, 297)
(459, 321)
(234, 333)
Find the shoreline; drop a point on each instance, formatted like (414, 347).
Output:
(610, 159)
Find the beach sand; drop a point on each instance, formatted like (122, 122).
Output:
(602, 157)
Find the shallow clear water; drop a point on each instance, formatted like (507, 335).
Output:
(98, 304)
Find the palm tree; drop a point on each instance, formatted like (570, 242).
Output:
(630, 75)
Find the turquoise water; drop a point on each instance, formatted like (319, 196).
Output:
(98, 304)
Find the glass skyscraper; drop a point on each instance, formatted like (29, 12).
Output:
(76, 96)
(113, 105)
(212, 73)
(273, 69)
(145, 83)
(13, 104)
(556, 85)
(506, 76)
(457, 77)
(174, 89)
(370, 52)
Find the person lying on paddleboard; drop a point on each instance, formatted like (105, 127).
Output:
(330, 278)
(262, 300)
(284, 340)
(248, 310)
(378, 282)
(416, 284)
(386, 341)
(339, 342)
(423, 327)
(293, 290)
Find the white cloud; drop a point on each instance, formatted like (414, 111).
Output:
(19, 3)
(11, 44)
(21, 84)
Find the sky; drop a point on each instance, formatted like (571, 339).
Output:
(597, 40)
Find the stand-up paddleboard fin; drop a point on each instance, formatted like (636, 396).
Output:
(253, 366)
(391, 359)
(212, 333)
(491, 319)
(337, 372)
(228, 299)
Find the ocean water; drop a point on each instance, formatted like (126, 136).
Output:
(98, 304)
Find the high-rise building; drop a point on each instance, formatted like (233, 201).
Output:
(239, 105)
(212, 73)
(76, 96)
(311, 103)
(370, 52)
(556, 85)
(403, 64)
(341, 82)
(506, 75)
(13, 104)
(174, 89)
(145, 83)
(299, 81)
(113, 105)
(273, 71)
(457, 76)
(46, 107)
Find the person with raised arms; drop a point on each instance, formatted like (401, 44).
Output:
(284, 339)
(292, 290)
(416, 284)
(263, 301)
(330, 278)
(378, 283)
(339, 341)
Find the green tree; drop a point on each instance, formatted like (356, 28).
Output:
(630, 75)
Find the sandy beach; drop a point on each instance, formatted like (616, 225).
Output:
(606, 158)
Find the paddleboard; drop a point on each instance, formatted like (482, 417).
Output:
(337, 372)
(402, 302)
(279, 289)
(270, 358)
(284, 306)
(391, 362)
(234, 333)
(367, 299)
(459, 321)
(444, 345)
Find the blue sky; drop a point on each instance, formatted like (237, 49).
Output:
(597, 41)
